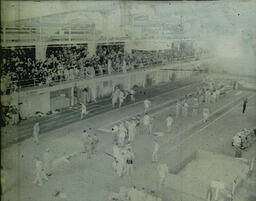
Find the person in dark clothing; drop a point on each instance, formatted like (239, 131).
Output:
(244, 104)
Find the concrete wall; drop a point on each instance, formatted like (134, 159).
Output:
(32, 103)
(187, 189)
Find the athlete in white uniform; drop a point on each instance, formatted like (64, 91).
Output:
(147, 104)
(155, 151)
(169, 122)
(47, 162)
(131, 124)
(185, 109)
(147, 121)
(121, 164)
(116, 153)
(122, 134)
(132, 93)
(133, 194)
(217, 94)
(114, 97)
(195, 106)
(214, 97)
(207, 96)
(83, 110)
(129, 161)
(36, 130)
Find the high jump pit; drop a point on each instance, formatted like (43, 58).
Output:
(205, 176)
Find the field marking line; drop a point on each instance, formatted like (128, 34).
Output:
(206, 126)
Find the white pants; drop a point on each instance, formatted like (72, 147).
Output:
(120, 168)
(35, 136)
(195, 111)
(146, 109)
(185, 112)
(83, 113)
(115, 137)
(177, 112)
(121, 141)
(148, 128)
(132, 98)
(131, 135)
(129, 169)
(161, 181)
(205, 116)
(114, 100)
(40, 176)
(154, 156)
(207, 99)
(169, 127)
(121, 102)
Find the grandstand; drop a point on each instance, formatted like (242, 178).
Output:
(65, 54)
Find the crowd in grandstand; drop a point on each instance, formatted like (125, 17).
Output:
(20, 68)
